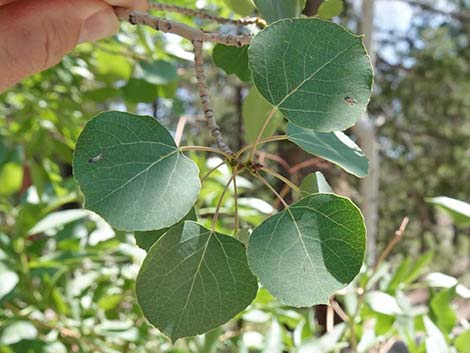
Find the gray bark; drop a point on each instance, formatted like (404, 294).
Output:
(367, 136)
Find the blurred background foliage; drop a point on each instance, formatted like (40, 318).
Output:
(67, 278)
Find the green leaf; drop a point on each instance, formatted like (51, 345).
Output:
(273, 343)
(383, 303)
(233, 60)
(241, 7)
(158, 72)
(458, 210)
(316, 72)
(11, 178)
(418, 267)
(145, 240)
(124, 330)
(139, 91)
(193, 280)
(55, 347)
(329, 342)
(112, 65)
(57, 220)
(442, 312)
(133, 174)
(462, 342)
(18, 331)
(330, 8)
(273, 10)
(314, 183)
(335, 147)
(8, 280)
(168, 91)
(109, 302)
(396, 282)
(440, 280)
(255, 110)
(435, 342)
(102, 94)
(307, 252)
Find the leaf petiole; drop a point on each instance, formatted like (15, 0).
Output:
(205, 149)
(235, 192)
(262, 141)
(261, 132)
(219, 203)
(208, 174)
(281, 177)
(269, 186)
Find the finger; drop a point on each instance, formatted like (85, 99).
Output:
(36, 34)
(4, 2)
(139, 5)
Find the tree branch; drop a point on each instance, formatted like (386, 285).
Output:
(463, 15)
(311, 7)
(207, 15)
(197, 37)
(205, 100)
(185, 31)
(396, 238)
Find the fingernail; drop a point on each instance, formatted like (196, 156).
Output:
(100, 25)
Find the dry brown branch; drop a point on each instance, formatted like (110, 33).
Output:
(318, 162)
(274, 157)
(208, 16)
(169, 26)
(330, 318)
(339, 311)
(396, 238)
(179, 129)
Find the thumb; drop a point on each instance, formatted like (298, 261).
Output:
(36, 34)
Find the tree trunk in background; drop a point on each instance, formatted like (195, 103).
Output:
(367, 135)
(238, 102)
(311, 7)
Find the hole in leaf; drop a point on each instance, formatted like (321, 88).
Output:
(350, 101)
(96, 158)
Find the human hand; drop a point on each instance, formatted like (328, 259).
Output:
(36, 34)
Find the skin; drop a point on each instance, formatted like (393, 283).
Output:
(36, 34)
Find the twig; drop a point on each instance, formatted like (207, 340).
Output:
(185, 31)
(339, 311)
(219, 204)
(231, 334)
(362, 291)
(308, 163)
(274, 157)
(396, 238)
(265, 140)
(204, 95)
(204, 149)
(208, 16)
(204, 178)
(284, 191)
(386, 347)
(270, 187)
(281, 177)
(179, 129)
(64, 332)
(235, 192)
(330, 318)
(260, 134)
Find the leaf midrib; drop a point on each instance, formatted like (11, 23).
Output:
(133, 178)
(313, 75)
(304, 247)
